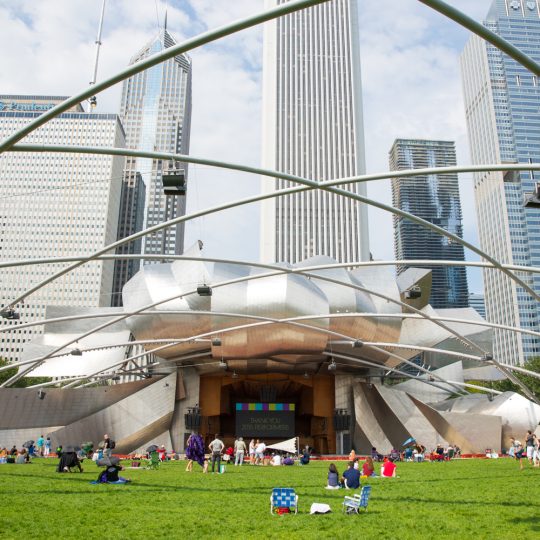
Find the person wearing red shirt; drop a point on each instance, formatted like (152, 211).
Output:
(388, 468)
(368, 468)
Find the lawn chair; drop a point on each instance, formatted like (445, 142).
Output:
(352, 505)
(284, 498)
(153, 462)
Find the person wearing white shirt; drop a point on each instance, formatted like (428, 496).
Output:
(259, 452)
(239, 450)
(216, 447)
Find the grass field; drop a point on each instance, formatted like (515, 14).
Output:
(477, 499)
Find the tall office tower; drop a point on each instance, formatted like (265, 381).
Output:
(476, 301)
(502, 103)
(56, 205)
(434, 198)
(156, 113)
(130, 221)
(313, 127)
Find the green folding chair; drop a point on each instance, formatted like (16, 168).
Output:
(153, 462)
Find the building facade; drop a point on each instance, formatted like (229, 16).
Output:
(56, 205)
(313, 128)
(155, 110)
(476, 301)
(502, 102)
(434, 198)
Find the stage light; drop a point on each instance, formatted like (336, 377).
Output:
(204, 290)
(487, 357)
(234, 375)
(414, 292)
(223, 364)
(76, 352)
(357, 343)
(332, 366)
(306, 376)
(216, 342)
(41, 394)
(532, 200)
(10, 314)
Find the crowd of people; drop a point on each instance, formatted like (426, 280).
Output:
(214, 456)
(350, 478)
(255, 453)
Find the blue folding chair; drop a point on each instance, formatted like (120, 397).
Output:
(352, 505)
(284, 498)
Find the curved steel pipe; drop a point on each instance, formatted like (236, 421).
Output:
(327, 186)
(354, 264)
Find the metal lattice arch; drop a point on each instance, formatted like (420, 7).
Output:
(342, 316)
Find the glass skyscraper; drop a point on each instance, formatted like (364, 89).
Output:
(313, 127)
(156, 113)
(434, 198)
(502, 102)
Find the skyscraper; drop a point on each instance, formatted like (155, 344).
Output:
(56, 205)
(434, 198)
(502, 103)
(156, 112)
(313, 127)
(476, 301)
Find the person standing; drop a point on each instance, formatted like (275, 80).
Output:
(47, 450)
(40, 443)
(194, 451)
(252, 451)
(530, 443)
(216, 447)
(260, 447)
(239, 450)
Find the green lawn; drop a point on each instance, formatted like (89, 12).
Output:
(461, 499)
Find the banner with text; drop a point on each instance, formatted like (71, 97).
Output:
(265, 420)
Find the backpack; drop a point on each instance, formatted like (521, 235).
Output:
(112, 444)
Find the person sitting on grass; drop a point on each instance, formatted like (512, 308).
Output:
(22, 457)
(333, 477)
(438, 454)
(368, 469)
(110, 476)
(388, 468)
(162, 453)
(351, 477)
(304, 460)
(288, 460)
(276, 460)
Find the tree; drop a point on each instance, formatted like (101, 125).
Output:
(21, 383)
(533, 364)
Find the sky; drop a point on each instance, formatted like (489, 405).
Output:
(410, 77)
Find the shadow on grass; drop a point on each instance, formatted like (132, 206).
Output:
(446, 502)
(533, 521)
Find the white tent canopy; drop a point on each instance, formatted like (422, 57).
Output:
(290, 445)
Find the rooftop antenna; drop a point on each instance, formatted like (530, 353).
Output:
(93, 99)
